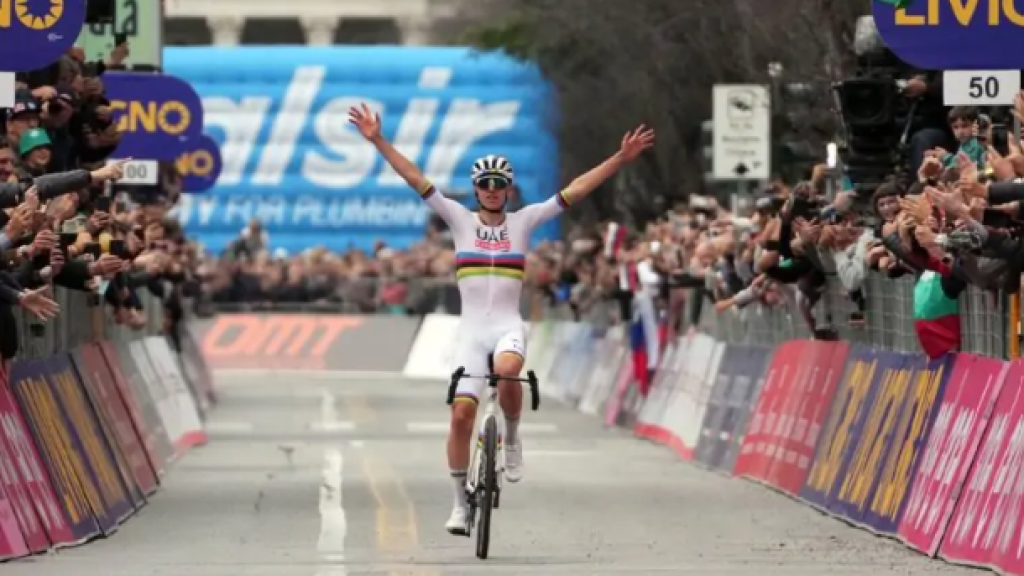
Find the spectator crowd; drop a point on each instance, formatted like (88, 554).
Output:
(67, 226)
(954, 223)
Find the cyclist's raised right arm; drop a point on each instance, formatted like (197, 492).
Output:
(445, 207)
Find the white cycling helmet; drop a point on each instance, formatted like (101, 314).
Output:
(491, 165)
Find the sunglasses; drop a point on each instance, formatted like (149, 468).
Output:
(492, 183)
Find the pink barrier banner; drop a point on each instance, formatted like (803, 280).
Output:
(970, 395)
(982, 526)
(12, 543)
(43, 521)
(13, 490)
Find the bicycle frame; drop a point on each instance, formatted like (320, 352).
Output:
(490, 412)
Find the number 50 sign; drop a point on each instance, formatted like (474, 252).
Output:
(980, 87)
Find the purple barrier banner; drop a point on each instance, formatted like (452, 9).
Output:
(86, 433)
(61, 455)
(870, 440)
(974, 384)
(828, 486)
(740, 403)
(902, 438)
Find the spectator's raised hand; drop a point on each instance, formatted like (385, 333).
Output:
(113, 171)
(56, 262)
(45, 93)
(106, 265)
(44, 241)
(948, 201)
(98, 221)
(367, 122)
(21, 221)
(928, 240)
(917, 207)
(1002, 167)
(39, 303)
(931, 168)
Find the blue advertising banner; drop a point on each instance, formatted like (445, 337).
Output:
(853, 399)
(905, 438)
(200, 165)
(952, 34)
(77, 494)
(88, 432)
(35, 33)
(159, 114)
(292, 159)
(868, 432)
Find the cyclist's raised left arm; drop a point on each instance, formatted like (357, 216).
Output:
(633, 143)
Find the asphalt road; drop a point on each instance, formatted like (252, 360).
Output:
(320, 477)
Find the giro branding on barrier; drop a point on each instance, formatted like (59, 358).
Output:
(971, 391)
(927, 451)
(74, 461)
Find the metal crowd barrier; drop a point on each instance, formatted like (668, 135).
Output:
(79, 322)
(889, 323)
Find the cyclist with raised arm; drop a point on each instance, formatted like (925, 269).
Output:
(491, 247)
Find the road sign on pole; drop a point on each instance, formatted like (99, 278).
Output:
(742, 139)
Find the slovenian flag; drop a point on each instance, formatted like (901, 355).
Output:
(638, 347)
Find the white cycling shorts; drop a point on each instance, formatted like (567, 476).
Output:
(476, 344)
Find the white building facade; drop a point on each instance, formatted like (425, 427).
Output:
(319, 19)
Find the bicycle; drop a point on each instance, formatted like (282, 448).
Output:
(483, 480)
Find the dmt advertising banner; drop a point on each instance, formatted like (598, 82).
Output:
(158, 114)
(34, 35)
(291, 159)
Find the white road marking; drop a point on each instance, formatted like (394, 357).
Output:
(333, 524)
(215, 427)
(336, 426)
(442, 428)
(328, 421)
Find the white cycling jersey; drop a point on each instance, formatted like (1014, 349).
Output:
(490, 266)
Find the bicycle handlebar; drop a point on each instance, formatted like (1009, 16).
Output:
(492, 381)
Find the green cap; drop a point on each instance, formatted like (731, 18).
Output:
(34, 138)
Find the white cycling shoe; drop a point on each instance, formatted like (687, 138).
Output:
(458, 522)
(514, 461)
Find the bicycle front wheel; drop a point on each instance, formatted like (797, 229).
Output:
(488, 487)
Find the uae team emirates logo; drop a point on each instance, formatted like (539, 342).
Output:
(493, 239)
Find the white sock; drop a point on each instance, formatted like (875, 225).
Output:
(459, 486)
(511, 430)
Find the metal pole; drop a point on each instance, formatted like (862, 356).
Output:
(1013, 300)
